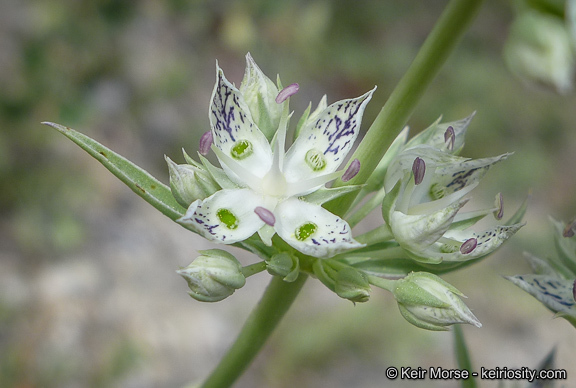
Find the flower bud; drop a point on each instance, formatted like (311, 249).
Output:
(189, 183)
(213, 276)
(284, 265)
(430, 303)
(260, 94)
(353, 285)
(539, 50)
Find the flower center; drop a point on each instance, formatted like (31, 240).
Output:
(274, 183)
(304, 232)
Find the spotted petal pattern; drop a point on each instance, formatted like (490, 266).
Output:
(331, 135)
(231, 123)
(554, 292)
(331, 236)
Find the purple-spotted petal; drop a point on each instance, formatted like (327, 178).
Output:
(234, 131)
(227, 216)
(555, 293)
(313, 230)
(323, 144)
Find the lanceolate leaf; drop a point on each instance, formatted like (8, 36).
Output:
(140, 181)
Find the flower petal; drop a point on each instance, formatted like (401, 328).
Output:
(555, 293)
(323, 144)
(227, 216)
(434, 135)
(417, 232)
(312, 229)
(447, 249)
(235, 133)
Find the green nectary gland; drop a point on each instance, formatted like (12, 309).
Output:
(446, 248)
(315, 159)
(227, 218)
(303, 232)
(241, 149)
(437, 191)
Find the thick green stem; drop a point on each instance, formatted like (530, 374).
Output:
(447, 32)
(393, 116)
(260, 324)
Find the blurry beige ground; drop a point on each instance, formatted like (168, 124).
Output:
(89, 296)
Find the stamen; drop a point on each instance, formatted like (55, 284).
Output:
(285, 93)
(205, 143)
(352, 170)
(570, 229)
(449, 138)
(499, 204)
(265, 215)
(418, 169)
(468, 246)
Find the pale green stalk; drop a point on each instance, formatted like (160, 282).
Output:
(260, 324)
(447, 32)
(279, 295)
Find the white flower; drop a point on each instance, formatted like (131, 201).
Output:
(263, 185)
(425, 188)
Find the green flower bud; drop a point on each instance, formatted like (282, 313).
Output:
(428, 302)
(539, 49)
(213, 276)
(353, 285)
(189, 183)
(260, 94)
(284, 265)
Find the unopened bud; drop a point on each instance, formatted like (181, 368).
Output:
(353, 285)
(284, 265)
(189, 183)
(213, 276)
(430, 303)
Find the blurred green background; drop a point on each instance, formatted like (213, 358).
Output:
(88, 292)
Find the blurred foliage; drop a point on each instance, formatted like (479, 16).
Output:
(137, 76)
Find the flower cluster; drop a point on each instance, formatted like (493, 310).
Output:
(260, 191)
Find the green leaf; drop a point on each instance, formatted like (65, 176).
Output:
(140, 181)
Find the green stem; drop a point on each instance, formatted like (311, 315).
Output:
(447, 32)
(395, 113)
(253, 269)
(276, 300)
